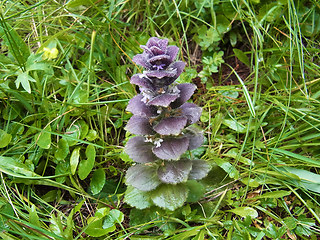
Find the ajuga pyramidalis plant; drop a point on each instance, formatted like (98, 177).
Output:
(165, 172)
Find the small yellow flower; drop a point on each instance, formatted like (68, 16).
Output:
(50, 53)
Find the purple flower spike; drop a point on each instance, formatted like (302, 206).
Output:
(164, 121)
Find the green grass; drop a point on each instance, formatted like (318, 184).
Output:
(62, 117)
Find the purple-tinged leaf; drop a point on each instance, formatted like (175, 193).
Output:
(156, 50)
(141, 59)
(169, 196)
(179, 65)
(175, 172)
(139, 125)
(186, 91)
(143, 81)
(163, 100)
(171, 125)
(172, 51)
(171, 148)
(143, 177)
(161, 74)
(195, 136)
(159, 60)
(154, 41)
(139, 150)
(139, 108)
(192, 112)
(199, 170)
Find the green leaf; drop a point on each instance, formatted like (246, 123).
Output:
(43, 138)
(115, 216)
(95, 226)
(86, 166)
(24, 79)
(233, 38)
(169, 196)
(5, 138)
(234, 153)
(63, 150)
(73, 133)
(228, 168)
(14, 168)
(97, 181)
(17, 47)
(196, 191)
(224, 24)
(34, 62)
(245, 211)
(275, 194)
(33, 216)
(62, 168)
(74, 160)
(92, 135)
(234, 125)
(297, 156)
(307, 179)
(291, 222)
(241, 56)
(77, 3)
(136, 198)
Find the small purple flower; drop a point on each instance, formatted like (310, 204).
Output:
(162, 119)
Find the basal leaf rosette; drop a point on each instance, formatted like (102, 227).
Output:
(163, 124)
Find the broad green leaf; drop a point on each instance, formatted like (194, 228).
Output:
(290, 222)
(92, 135)
(114, 216)
(11, 112)
(63, 150)
(169, 196)
(97, 181)
(73, 133)
(233, 124)
(51, 195)
(15, 168)
(96, 227)
(79, 97)
(224, 24)
(43, 138)
(86, 166)
(241, 56)
(74, 160)
(84, 129)
(137, 198)
(227, 167)
(62, 168)
(245, 211)
(5, 138)
(196, 191)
